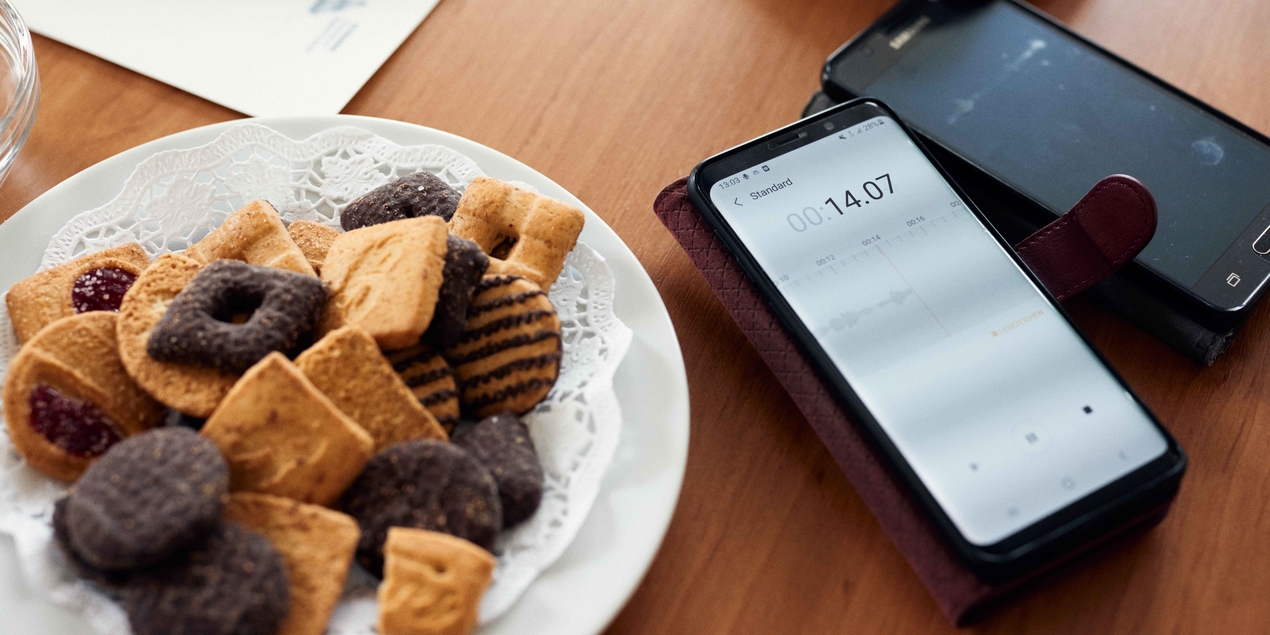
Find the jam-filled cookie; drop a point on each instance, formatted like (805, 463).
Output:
(525, 234)
(282, 436)
(431, 380)
(411, 196)
(348, 368)
(95, 282)
(426, 485)
(193, 390)
(255, 235)
(509, 357)
(68, 399)
(314, 240)
(433, 583)
(317, 546)
(385, 279)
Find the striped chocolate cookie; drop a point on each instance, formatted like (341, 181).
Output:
(509, 357)
(431, 379)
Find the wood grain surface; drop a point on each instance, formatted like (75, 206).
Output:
(613, 99)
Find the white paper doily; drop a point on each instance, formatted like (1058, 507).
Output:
(174, 198)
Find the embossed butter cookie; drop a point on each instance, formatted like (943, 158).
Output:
(255, 235)
(314, 240)
(509, 357)
(433, 583)
(525, 234)
(68, 399)
(94, 282)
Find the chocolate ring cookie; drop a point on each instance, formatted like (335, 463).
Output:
(68, 398)
(193, 390)
(199, 328)
(422, 484)
(411, 196)
(233, 583)
(502, 444)
(95, 282)
(148, 498)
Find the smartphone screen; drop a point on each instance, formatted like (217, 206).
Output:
(992, 398)
(1051, 116)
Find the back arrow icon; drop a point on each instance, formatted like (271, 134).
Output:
(737, 200)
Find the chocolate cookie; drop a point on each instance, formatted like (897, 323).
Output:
(465, 264)
(411, 196)
(422, 484)
(233, 583)
(502, 444)
(199, 329)
(146, 499)
(61, 537)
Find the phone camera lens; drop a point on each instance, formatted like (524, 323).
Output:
(828, 125)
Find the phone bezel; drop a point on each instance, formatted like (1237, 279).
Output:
(1032, 546)
(900, 15)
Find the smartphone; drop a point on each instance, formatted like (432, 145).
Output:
(1046, 114)
(1010, 429)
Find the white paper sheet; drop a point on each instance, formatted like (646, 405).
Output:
(259, 57)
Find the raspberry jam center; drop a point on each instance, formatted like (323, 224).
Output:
(73, 425)
(101, 289)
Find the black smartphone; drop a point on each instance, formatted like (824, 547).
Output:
(1015, 434)
(1046, 114)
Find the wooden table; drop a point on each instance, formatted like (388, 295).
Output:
(614, 99)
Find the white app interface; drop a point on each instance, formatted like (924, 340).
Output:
(1003, 412)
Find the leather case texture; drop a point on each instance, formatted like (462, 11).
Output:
(1109, 226)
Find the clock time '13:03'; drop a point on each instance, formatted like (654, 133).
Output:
(875, 190)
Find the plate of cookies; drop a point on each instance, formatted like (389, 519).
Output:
(328, 375)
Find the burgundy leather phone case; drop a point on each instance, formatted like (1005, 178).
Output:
(1102, 233)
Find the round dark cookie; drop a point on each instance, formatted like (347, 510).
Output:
(502, 444)
(233, 583)
(147, 498)
(61, 537)
(411, 196)
(465, 265)
(422, 484)
(198, 326)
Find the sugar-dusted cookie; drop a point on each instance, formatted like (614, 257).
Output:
(68, 399)
(282, 436)
(465, 265)
(502, 444)
(426, 485)
(317, 546)
(232, 583)
(433, 583)
(255, 235)
(193, 390)
(348, 368)
(314, 240)
(147, 499)
(93, 282)
(199, 328)
(509, 357)
(411, 196)
(431, 380)
(385, 279)
(525, 234)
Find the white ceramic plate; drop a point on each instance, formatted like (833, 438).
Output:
(601, 568)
